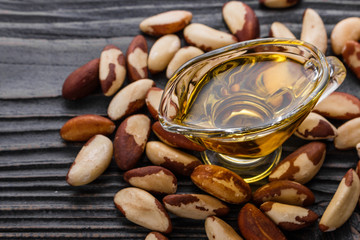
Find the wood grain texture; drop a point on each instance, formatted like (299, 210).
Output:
(41, 43)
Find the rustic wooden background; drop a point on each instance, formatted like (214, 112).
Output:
(41, 42)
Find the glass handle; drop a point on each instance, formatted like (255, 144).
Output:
(337, 76)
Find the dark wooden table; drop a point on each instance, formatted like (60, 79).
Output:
(41, 42)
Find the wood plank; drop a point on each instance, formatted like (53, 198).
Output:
(41, 43)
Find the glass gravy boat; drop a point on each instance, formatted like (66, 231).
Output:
(243, 101)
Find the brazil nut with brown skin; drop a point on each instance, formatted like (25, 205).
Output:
(130, 140)
(82, 82)
(241, 20)
(221, 183)
(301, 165)
(175, 139)
(112, 69)
(342, 204)
(289, 217)
(166, 22)
(179, 162)
(255, 225)
(142, 208)
(339, 105)
(136, 59)
(218, 229)
(155, 179)
(84, 127)
(194, 206)
(284, 191)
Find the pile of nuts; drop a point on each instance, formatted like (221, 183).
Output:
(285, 192)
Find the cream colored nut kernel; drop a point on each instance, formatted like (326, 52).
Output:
(218, 229)
(279, 30)
(351, 56)
(129, 99)
(194, 206)
(84, 127)
(289, 217)
(155, 179)
(92, 160)
(136, 58)
(171, 158)
(130, 140)
(284, 191)
(339, 105)
(241, 20)
(278, 3)
(221, 183)
(207, 38)
(182, 56)
(166, 22)
(316, 127)
(345, 30)
(152, 100)
(313, 30)
(162, 52)
(112, 69)
(155, 236)
(342, 204)
(301, 165)
(140, 207)
(348, 134)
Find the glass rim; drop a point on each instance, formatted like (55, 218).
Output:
(323, 80)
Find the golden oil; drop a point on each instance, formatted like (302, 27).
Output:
(249, 95)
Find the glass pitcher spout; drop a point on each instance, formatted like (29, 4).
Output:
(337, 76)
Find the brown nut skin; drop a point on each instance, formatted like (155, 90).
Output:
(112, 69)
(136, 58)
(194, 206)
(289, 217)
(339, 105)
(301, 165)
(255, 225)
(241, 20)
(82, 82)
(284, 191)
(142, 208)
(351, 56)
(316, 127)
(155, 236)
(175, 139)
(221, 183)
(84, 127)
(130, 140)
(278, 3)
(166, 22)
(155, 179)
